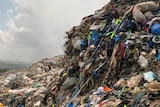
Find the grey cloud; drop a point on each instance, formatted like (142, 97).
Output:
(38, 29)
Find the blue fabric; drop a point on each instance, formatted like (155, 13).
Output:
(94, 37)
(70, 105)
(6, 103)
(128, 23)
(89, 104)
(150, 43)
(95, 73)
(104, 29)
(112, 43)
(13, 99)
(77, 89)
(110, 48)
(158, 57)
(82, 43)
(155, 29)
(117, 38)
(20, 105)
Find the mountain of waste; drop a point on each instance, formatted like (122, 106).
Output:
(112, 59)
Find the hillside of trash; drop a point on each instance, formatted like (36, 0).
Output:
(112, 59)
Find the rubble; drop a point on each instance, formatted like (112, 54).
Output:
(111, 60)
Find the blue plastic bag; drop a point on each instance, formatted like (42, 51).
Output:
(94, 37)
(155, 29)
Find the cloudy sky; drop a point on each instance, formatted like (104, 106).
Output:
(31, 30)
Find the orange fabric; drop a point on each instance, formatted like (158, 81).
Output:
(107, 89)
(1, 105)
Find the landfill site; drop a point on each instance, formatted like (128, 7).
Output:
(111, 59)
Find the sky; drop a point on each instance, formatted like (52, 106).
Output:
(31, 30)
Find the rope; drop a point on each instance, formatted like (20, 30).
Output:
(79, 90)
(138, 99)
(121, 91)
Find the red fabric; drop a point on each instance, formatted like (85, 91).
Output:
(122, 50)
(102, 103)
(146, 29)
(132, 8)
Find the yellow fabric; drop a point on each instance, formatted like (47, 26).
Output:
(65, 74)
(135, 50)
(1, 105)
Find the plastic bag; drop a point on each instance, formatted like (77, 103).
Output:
(149, 76)
(155, 29)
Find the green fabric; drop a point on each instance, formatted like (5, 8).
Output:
(69, 82)
(104, 24)
(118, 21)
(36, 85)
(89, 35)
(125, 105)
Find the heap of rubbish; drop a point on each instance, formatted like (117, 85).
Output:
(112, 59)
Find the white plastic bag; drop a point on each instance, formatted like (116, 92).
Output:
(149, 76)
